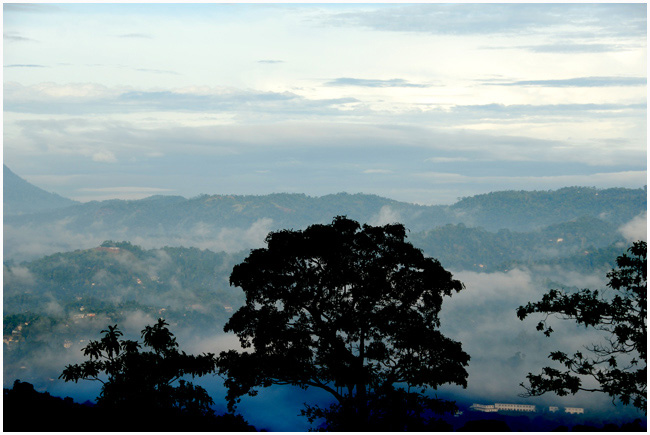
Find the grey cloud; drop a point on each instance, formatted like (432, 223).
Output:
(476, 19)
(374, 83)
(580, 82)
(271, 61)
(31, 8)
(572, 48)
(15, 37)
(516, 111)
(24, 66)
(25, 99)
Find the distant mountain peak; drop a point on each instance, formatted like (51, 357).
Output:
(22, 197)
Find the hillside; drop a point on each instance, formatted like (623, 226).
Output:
(523, 210)
(21, 197)
(237, 222)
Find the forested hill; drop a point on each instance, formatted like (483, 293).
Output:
(513, 210)
(523, 210)
(237, 222)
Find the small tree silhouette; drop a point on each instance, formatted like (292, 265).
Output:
(349, 309)
(133, 379)
(620, 365)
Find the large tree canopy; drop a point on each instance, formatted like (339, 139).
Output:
(342, 307)
(619, 366)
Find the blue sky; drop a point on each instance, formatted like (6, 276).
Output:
(417, 102)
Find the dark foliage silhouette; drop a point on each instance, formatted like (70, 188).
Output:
(389, 409)
(27, 410)
(485, 426)
(619, 366)
(148, 383)
(153, 378)
(346, 308)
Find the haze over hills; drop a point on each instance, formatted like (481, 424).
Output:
(72, 269)
(236, 222)
(21, 197)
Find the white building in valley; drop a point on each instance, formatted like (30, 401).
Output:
(483, 408)
(571, 410)
(515, 407)
(518, 407)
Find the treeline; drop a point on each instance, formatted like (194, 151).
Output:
(27, 410)
(469, 248)
(523, 210)
(21, 403)
(514, 210)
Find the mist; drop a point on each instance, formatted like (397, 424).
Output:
(502, 352)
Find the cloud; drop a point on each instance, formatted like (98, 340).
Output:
(84, 99)
(446, 159)
(30, 8)
(489, 19)
(543, 111)
(16, 37)
(580, 82)
(572, 48)
(385, 216)
(125, 189)
(374, 83)
(504, 351)
(136, 321)
(555, 181)
(270, 61)
(18, 275)
(104, 156)
(24, 66)
(636, 229)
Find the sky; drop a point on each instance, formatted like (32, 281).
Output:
(422, 103)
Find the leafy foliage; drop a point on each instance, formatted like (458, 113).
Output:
(389, 409)
(620, 365)
(134, 378)
(346, 308)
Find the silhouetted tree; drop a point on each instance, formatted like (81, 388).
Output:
(346, 308)
(620, 365)
(144, 380)
(389, 409)
(26, 410)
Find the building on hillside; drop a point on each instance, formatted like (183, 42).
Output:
(571, 410)
(553, 408)
(483, 408)
(515, 407)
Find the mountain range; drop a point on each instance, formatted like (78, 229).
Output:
(72, 268)
(38, 223)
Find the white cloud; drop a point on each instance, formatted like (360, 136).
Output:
(610, 179)
(636, 229)
(385, 216)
